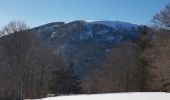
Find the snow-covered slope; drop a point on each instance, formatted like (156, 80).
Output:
(118, 24)
(114, 96)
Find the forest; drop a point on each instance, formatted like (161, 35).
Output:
(32, 68)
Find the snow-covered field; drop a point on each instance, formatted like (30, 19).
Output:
(115, 96)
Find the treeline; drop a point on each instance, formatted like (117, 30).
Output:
(28, 64)
(123, 69)
(141, 66)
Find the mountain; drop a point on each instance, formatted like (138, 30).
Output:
(87, 43)
(117, 24)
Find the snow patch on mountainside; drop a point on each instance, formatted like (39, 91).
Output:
(102, 32)
(89, 33)
(118, 24)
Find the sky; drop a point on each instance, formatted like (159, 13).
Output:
(38, 12)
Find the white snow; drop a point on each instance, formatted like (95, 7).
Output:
(57, 25)
(89, 33)
(102, 32)
(53, 35)
(114, 96)
(110, 38)
(117, 24)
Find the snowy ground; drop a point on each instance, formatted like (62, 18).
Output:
(114, 96)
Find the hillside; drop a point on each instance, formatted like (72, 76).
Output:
(87, 43)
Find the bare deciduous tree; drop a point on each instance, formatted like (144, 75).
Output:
(121, 71)
(162, 19)
(13, 26)
(158, 70)
(26, 62)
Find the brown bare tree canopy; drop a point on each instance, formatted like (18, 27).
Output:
(26, 61)
(162, 19)
(13, 26)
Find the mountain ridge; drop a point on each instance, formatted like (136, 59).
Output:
(87, 43)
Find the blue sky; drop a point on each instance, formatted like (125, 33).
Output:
(38, 12)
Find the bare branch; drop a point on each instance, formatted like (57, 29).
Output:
(162, 19)
(13, 26)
